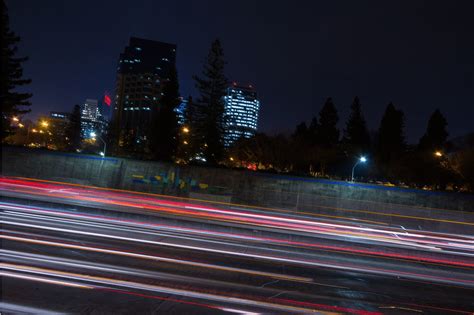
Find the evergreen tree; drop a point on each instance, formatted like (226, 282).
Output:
(436, 134)
(11, 74)
(73, 131)
(391, 139)
(356, 134)
(313, 131)
(212, 87)
(164, 129)
(301, 131)
(326, 131)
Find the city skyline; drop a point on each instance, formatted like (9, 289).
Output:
(339, 57)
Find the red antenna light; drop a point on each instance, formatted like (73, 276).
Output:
(107, 100)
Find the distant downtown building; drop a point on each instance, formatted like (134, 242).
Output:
(92, 119)
(59, 123)
(142, 66)
(180, 110)
(241, 108)
(89, 117)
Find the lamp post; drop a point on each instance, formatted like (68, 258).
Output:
(93, 135)
(362, 159)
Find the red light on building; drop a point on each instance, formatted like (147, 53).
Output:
(107, 100)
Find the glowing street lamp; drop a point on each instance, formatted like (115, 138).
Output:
(15, 119)
(94, 135)
(361, 159)
(44, 123)
(185, 129)
(438, 153)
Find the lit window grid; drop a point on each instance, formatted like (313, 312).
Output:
(242, 115)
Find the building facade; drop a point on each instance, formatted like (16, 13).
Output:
(180, 111)
(89, 117)
(142, 67)
(59, 123)
(241, 108)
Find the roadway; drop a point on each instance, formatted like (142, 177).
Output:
(72, 249)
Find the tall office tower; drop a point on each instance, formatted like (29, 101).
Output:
(142, 67)
(89, 117)
(241, 108)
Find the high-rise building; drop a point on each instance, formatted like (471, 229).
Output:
(142, 66)
(59, 122)
(180, 110)
(241, 108)
(89, 117)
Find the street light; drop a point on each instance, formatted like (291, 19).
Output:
(93, 135)
(15, 119)
(438, 153)
(185, 129)
(362, 159)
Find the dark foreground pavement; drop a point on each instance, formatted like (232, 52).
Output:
(111, 253)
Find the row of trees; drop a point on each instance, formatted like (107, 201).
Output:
(319, 149)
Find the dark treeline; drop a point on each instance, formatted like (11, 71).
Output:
(319, 149)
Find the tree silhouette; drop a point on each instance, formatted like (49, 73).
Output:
(356, 134)
(391, 139)
(326, 132)
(73, 131)
(212, 87)
(436, 134)
(11, 75)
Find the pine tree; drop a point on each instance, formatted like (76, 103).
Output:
(11, 74)
(73, 131)
(356, 134)
(391, 138)
(327, 132)
(212, 87)
(164, 129)
(301, 131)
(436, 134)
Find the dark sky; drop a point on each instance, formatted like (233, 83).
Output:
(417, 54)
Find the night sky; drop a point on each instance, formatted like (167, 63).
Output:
(417, 54)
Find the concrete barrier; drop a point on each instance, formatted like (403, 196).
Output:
(325, 198)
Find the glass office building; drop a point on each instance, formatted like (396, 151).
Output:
(241, 108)
(142, 67)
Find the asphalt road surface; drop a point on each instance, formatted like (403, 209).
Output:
(83, 250)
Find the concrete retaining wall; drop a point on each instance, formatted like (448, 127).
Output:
(237, 186)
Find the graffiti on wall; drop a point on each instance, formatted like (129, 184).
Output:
(170, 180)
